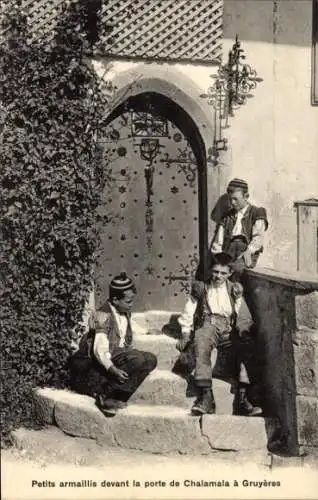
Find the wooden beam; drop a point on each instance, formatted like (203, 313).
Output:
(203, 218)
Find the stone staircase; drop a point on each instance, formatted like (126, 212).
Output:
(158, 418)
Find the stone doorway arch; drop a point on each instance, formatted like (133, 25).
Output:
(182, 107)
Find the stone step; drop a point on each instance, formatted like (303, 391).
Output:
(163, 387)
(150, 428)
(155, 322)
(51, 446)
(162, 346)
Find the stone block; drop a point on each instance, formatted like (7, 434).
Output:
(307, 419)
(306, 362)
(43, 406)
(281, 461)
(162, 346)
(307, 310)
(159, 429)
(227, 432)
(163, 387)
(44, 400)
(52, 446)
(152, 321)
(80, 417)
(153, 429)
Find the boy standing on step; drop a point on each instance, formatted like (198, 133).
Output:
(107, 366)
(213, 319)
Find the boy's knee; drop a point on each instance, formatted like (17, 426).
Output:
(200, 347)
(205, 338)
(150, 361)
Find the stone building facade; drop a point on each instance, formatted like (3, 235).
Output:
(163, 56)
(272, 140)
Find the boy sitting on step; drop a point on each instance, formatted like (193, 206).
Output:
(106, 366)
(212, 319)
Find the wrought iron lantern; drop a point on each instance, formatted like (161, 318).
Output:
(231, 88)
(149, 149)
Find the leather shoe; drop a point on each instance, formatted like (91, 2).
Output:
(204, 404)
(109, 406)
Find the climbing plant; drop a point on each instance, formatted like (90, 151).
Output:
(52, 108)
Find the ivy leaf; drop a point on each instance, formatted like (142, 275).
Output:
(11, 211)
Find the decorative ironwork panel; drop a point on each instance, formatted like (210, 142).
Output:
(146, 124)
(147, 29)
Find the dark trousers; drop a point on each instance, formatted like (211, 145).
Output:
(91, 378)
(236, 248)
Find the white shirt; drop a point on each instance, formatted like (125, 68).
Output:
(218, 300)
(237, 229)
(101, 343)
(257, 233)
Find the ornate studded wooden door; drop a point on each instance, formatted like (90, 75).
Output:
(152, 210)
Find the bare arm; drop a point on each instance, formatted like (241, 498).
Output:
(101, 347)
(217, 244)
(257, 236)
(186, 323)
(101, 350)
(186, 319)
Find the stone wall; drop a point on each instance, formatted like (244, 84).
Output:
(286, 311)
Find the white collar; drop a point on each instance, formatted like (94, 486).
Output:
(115, 311)
(243, 210)
(221, 287)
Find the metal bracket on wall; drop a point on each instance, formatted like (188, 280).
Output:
(230, 90)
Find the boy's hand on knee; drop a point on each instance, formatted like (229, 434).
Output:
(121, 375)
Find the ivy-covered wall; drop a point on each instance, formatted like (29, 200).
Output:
(51, 180)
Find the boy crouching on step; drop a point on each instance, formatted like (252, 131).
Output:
(212, 318)
(107, 366)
